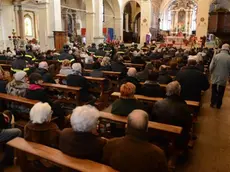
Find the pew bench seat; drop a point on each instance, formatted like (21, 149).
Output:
(57, 157)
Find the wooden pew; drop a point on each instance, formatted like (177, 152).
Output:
(22, 100)
(104, 96)
(153, 125)
(64, 88)
(106, 73)
(56, 156)
(140, 66)
(6, 67)
(154, 99)
(162, 85)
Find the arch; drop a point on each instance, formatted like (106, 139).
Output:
(28, 24)
(125, 2)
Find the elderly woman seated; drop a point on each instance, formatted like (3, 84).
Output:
(81, 140)
(174, 110)
(127, 102)
(40, 129)
(66, 67)
(164, 77)
(105, 64)
(131, 77)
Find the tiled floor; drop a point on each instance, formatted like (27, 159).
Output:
(211, 152)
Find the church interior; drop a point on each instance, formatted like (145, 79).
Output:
(114, 85)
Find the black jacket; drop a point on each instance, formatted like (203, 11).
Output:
(46, 76)
(152, 89)
(192, 82)
(134, 81)
(137, 60)
(65, 56)
(173, 110)
(119, 67)
(77, 80)
(105, 68)
(18, 64)
(3, 84)
(3, 122)
(100, 53)
(164, 77)
(35, 92)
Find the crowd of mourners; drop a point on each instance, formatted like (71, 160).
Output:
(182, 70)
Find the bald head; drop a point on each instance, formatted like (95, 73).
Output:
(138, 120)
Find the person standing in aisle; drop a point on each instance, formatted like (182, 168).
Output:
(220, 69)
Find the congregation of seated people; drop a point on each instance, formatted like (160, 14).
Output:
(181, 72)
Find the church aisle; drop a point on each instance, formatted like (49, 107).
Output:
(211, 152)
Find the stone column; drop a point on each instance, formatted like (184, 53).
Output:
(176, 21)
(98, 29)
(65, 19)
(202, 18)
(55, 16)
(146, 10)
(173, 21)
(21, 21)
(90, 27)
(118, 28)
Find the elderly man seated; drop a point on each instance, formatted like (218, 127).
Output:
(81, 140)
(174, 110)
(133, 152)
(192, 81)
(43, 70)
(131, 77)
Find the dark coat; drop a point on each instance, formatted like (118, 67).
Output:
(96, 73)
(3, 122)
(137, 60)
(3, 84)
(124, 107)
(105, 68)
(46, 133)
(81, 145)
(143, 75)
(173, 72)
(99, 53)
(164, 77)
(119, 67)
(65, 56)
(135, 155)
(173, 110)
(19, 64)
(46, 76)
(36, 92)
(134, 81)
(192, 82)
(76, 80)
(152, 89)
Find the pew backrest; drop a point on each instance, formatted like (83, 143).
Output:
(153, 125)
(18, 99)
(154, 99)
(56, 156)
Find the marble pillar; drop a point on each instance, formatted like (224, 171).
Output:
(146, 11)
(202, 18)
(55, 14)
(21, 22)
(98, 29)
(90, 24)
(176, 21)
(118, 28)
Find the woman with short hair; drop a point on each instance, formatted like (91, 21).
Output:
(66, 68)
(81, 140)
(127, 101)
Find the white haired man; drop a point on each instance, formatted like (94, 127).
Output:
(43, 70)
(81, 140)
(131, 77)
(133, 152)
(40, 129)
(174, 110)
(77, 80)
(220, 69)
